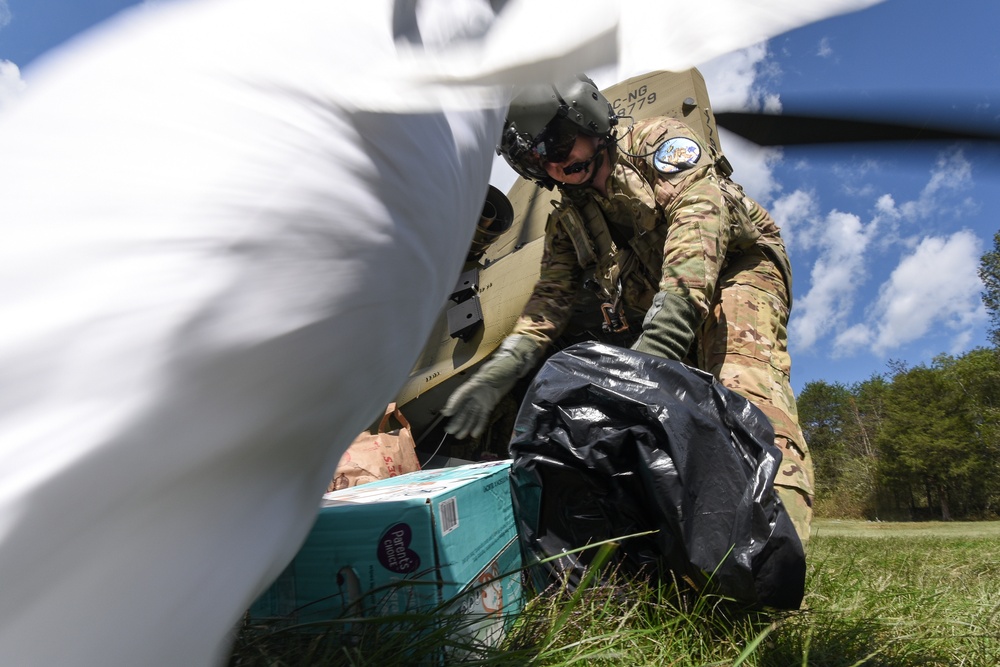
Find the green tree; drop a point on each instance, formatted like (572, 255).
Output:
(930, 444)
(823, 415)
(915, 443)
(989, 273)
(840, 425)
(975, 377)
(869, 400)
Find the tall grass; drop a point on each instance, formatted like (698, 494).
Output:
(882, 595)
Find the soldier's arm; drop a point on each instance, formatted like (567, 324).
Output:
(693, 253)
(551, 303)
(696, 243)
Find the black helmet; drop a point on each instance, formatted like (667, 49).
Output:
(544, 121)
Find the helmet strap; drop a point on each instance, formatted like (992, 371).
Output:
(604, 148)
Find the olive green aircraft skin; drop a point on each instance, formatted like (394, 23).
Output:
(502, 268)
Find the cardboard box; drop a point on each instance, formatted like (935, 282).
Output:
(433, 539)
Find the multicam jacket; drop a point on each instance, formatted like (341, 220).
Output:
(672, 221)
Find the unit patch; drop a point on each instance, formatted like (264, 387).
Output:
(675, 155)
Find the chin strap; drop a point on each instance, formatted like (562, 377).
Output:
(604, 147)
(598, 161)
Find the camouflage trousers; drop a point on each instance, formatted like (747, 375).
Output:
(744, 344)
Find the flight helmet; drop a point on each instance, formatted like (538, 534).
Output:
(544, 120)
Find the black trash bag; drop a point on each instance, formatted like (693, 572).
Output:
(611, 442)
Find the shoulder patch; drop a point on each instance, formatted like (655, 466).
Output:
(678, 154)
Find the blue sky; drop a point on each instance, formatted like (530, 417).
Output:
(884, 242)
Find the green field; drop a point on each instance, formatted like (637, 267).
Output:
(824, 528)
(878, 594)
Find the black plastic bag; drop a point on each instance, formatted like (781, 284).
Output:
(610, 442)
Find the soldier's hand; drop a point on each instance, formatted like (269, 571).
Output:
(669, 326)
(469, 408)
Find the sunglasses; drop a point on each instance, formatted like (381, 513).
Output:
(556, 141)
(551, 146)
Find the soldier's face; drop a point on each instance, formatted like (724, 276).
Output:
(583, 150)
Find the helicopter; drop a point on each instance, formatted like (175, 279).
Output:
(503, 262)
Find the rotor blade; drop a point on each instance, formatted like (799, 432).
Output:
(794, 130)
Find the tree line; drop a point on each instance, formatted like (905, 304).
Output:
(913, 443)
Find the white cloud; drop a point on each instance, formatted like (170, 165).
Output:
(936, 287)
(824, 50)
(886, 205)
(962, 341)
(795, 213)
(852, 339)
(933, 290)
(835, 279)
(856, 178)
(11, 83)
(4, 13)
(888, 216)
(738, 81)
(937, 201)
(753, 166)
(952, 173)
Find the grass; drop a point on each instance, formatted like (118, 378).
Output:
(877, 594)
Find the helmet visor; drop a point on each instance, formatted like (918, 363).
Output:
(529, 155)
(555, 142)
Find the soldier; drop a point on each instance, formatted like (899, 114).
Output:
(653, 221)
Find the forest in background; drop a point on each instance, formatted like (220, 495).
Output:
(913, 443)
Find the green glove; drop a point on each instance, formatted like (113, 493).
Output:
(470, 406)
(668, 328)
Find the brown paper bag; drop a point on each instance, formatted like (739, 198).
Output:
(377, 456)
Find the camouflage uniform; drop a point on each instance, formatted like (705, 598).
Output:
(692, 233)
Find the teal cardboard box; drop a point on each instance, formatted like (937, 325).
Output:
(433, 539)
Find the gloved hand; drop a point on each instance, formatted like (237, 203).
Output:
(470, 406)
(668, 328)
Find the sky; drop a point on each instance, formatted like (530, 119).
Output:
(884, 241)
